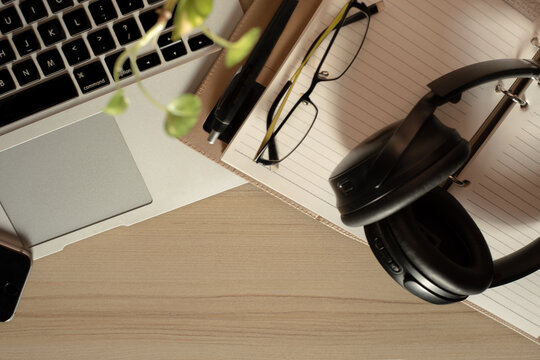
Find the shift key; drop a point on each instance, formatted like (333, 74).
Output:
(91, 76)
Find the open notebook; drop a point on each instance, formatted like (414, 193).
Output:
(408, 45)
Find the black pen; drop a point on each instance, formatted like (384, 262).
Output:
(240, 86)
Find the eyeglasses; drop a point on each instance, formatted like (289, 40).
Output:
(293, 112)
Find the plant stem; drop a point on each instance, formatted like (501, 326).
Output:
(215, 38)
(169, 5)
(137, 74)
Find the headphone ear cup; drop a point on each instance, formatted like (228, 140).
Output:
(436, 152)
(438, 246)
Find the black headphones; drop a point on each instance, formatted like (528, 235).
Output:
(419, 232)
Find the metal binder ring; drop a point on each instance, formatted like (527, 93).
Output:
(458, 182)
(499, 88)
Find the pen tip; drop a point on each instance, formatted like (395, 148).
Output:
(213, 136)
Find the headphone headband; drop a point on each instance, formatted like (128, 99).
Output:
(447, 88)
(450, 86)
(516, 265)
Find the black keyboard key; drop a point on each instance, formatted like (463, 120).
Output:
(51, 32)
(127, 6)
(36, 98)
(32, 10)
(148, 19)
(50, 62)
(174, 51)
(101, 41)
(148, 61)
(57, 5)
(91, 77)
(126, 68)
(9, 20)
(26, 71)
(102, 11)
(75, 51)
(77, 21)
(127, 31)
(6, 52)
(165, 39)
(199, 42)
(26, 42)
(6, 82)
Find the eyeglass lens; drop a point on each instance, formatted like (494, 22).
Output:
(300, 114)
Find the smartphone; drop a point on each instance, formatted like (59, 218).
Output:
(15, 264)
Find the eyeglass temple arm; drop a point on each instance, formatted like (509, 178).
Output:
(271, 145)
(371, 10)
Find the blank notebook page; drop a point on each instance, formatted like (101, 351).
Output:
(408, 45)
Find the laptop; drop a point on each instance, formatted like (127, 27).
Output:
(67, 170)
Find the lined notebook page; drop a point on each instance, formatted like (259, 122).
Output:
(408, 45)
(504, 200)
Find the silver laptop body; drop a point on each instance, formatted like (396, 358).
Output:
(69, 171)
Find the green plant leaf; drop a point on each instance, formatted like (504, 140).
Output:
(117, 104)
(182, 114)
(242, 47)
(198, 11)
(190, 14)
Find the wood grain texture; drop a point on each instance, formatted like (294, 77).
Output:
(237, 276)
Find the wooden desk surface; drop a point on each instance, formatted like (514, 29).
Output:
(237, 276)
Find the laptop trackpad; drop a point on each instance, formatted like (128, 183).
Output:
(68, 179)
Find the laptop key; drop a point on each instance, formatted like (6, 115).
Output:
(50, 62)
(26, 42)
(6, 52)
(126, 68)
(101, 41)
(148, 19)
(91, 76)
(36, 98)
(148, 61)
(199, 42)
(75, 51)
(102, 11)
(127, 31)
(25, 71)
(51, 32)
(57, 5)
(6, 81)
(77, 21)
(127, 6)
(9, 20)
(174, 51)
(165, 39)
(32, 10)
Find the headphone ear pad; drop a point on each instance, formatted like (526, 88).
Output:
(438, 245)
(436, 152)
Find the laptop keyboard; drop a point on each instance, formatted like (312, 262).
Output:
(52, 51)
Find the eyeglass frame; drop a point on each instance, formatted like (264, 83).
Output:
(319, 76)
